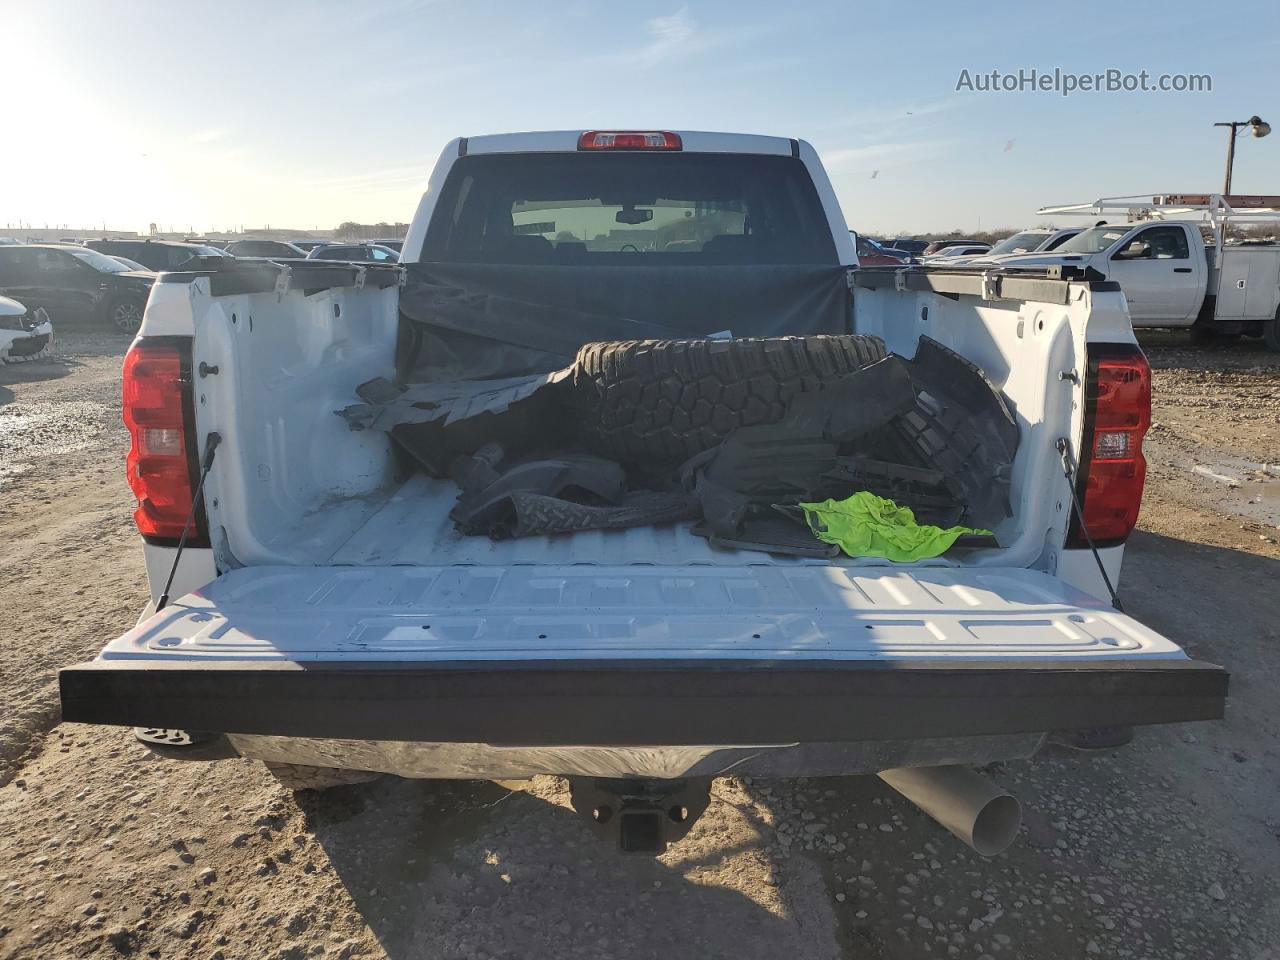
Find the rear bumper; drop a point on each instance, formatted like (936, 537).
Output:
(641, 703)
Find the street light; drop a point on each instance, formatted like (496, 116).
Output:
(1257, 128)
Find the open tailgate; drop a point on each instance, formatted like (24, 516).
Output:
(639, 655)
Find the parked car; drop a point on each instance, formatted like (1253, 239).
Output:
(871, 254)
(75, 284)
(274, 249)
(308, 245)
(130, 264)
(326, 616)
(1013, 250)
(953, 254)
(939, 247)
(359, 252)
(24, 334)
(396, 245)
(910, 245)
(1033, 240)
(1169, 275)
(154, 255)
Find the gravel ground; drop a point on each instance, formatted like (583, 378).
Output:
(1167, 848)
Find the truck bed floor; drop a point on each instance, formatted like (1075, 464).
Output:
(413, 527)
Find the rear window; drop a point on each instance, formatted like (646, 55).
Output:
(340, 253)
(1020, 243)
(152, 255)
(99, 261)
(629, 209)
(1094, 240)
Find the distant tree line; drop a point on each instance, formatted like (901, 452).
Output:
(350, 230)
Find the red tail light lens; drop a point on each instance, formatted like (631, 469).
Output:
(1113, 470)
(159, 468)
(629, 140)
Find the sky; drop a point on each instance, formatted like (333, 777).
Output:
(306, 114)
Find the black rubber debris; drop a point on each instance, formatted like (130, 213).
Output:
(963, 428)
(532, 514)
(774, 535)
(577, 479)
(791, 460)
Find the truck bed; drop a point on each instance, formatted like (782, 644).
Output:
(413, 527)
(293, 483)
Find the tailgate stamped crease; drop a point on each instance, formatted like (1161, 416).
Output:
(757, 612)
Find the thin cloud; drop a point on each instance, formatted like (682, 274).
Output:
(672, 36)
(388, 176)
(679, 36)
(842, 158)
(886, 116)
(207, 136)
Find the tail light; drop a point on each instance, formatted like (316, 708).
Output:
(158, 413)
(629, 140)
(1112, 469)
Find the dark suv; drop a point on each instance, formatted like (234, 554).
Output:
(276, 249)
(157, 255)
(75, 285)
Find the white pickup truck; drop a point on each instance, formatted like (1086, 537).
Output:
(1170, 276)
(327, 617)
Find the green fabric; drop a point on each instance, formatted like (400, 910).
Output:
(869, 526)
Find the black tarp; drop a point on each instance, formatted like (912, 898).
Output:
(473, 321)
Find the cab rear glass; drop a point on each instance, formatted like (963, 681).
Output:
(629, 209)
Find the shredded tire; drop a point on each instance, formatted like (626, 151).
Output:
(641, 401)
(300, 776)
(535, 515)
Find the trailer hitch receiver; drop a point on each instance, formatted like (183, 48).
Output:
(640, 816)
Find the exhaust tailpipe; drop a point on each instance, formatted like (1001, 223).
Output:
(968, 804)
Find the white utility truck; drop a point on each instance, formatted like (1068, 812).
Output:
(301, 431)
(1170, 275)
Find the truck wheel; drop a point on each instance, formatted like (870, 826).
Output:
(666, 400)
(1271, 334)
(300, 776)
(125, 315)
(1205, 330)
(1202, 332)
(185, 744)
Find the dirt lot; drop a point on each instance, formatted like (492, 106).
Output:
(1168, 848)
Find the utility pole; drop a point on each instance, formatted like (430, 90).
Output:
(1257, 128)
